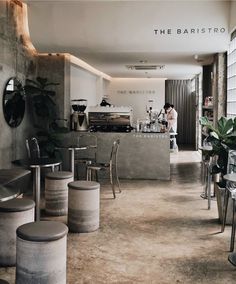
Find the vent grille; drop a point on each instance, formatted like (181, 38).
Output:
(145, 67)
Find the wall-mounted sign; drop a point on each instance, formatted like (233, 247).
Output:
(136, 92)
(189, 31)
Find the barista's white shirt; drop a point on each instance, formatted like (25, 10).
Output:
(172, 119)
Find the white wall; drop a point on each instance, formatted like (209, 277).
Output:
(136, 93)
(83, 85)
(232, 16)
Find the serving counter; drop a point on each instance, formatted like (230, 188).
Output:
(141, 155)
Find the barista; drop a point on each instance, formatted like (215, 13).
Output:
(171, 116)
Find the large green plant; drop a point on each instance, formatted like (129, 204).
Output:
(222, 138)
(41, 99)
(44, 111)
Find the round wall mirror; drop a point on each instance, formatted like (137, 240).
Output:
(13, 102)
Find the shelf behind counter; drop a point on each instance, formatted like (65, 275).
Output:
(141, 155)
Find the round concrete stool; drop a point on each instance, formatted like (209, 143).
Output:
(41, 253)
(13, 213)
(83, 206)
(56, 192)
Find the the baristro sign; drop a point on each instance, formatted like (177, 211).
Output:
(136, 92)
(190, 31)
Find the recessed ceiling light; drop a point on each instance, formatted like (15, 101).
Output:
(145, 67)
(143, 61)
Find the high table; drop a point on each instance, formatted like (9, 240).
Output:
(7, 193)
(12, 175)
(36, 165)
(72, 149)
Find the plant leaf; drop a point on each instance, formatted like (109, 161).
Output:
(31, 82)
(42, 81)
(30, 90)
(214, 134)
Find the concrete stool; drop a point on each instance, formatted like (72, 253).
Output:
(41, 253)
(13, 213)
(56, 192)
(83, 206)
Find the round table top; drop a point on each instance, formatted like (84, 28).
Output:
(39, 162)
(76, 147)
(230, 177)
(7, 193)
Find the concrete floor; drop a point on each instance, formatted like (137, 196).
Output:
(154, 232)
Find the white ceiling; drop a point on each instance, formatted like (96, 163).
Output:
(112, 34)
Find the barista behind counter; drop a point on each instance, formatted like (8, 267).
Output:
(171, 116)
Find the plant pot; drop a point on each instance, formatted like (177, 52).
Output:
(220, 193)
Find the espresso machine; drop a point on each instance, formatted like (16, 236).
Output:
(78, 117)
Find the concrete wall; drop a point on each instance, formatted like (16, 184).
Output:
(219, 86)
(16, 60)
(56, 67)
(83, 85)
(136, 93)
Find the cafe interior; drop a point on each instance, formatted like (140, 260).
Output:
(117, 141)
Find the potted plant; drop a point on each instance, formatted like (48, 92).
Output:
(45, 114)
(222, 138)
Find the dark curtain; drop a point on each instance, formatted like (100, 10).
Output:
(178, 93)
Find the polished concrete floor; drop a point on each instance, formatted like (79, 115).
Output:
(154, 232)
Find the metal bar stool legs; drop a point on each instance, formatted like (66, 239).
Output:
(230, 187)
(207, 177)
(232, 255)
(225, 207)
(233, 228)
(208, 185)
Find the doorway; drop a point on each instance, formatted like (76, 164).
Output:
(180, 94)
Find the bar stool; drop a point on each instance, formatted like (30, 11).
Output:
(207, 173)
(230, 187)
(13, 213)
(83, 206)
(41, 253)
(89, 154)
(110, 166)
(56, 192)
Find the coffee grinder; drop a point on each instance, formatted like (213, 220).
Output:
(78, 117)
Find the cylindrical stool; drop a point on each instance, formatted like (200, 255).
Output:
(13, 213)
(83, 206)
(56, 192)
(41, 253)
